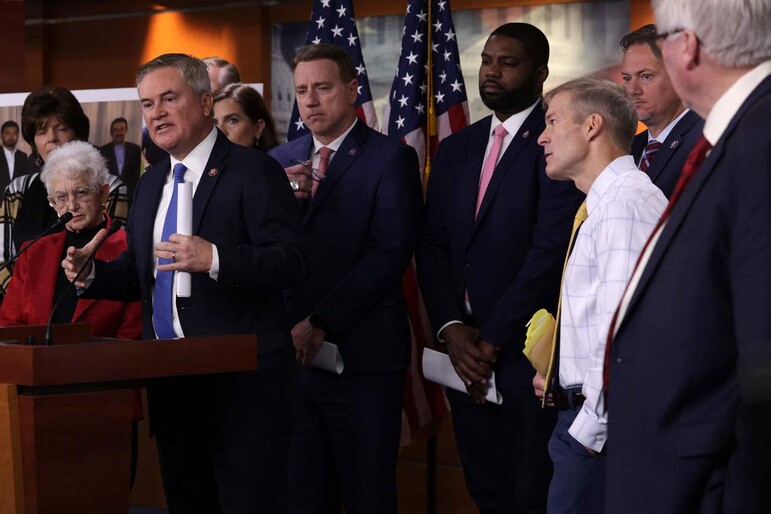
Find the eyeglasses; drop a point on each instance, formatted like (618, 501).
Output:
(79, 194)
(661, 37)
(314, 171)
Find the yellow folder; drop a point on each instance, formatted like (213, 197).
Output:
(538, 345)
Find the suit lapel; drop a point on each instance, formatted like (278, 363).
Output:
(468, 178)
(353, 146)
(211, 174)
(690, 194)
(671, 145)
(527, 131)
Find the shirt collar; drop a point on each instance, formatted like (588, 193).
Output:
(196, 160)
(514, 122)
(606, 178)
(728, 105)
(664, 134)
(334, 145)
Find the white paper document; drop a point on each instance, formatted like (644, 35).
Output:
(328, 358)
(438, 368)
(184, 227)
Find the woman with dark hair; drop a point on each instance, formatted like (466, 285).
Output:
(241, 114)
(49, 119)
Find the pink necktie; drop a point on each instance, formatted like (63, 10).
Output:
(492, 159)
(325, 152)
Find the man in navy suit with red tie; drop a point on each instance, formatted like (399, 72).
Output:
(691, 345)
(673, 129)
(361, 194)
(490, 256)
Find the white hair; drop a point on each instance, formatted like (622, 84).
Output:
(734, 32)
(75, 159)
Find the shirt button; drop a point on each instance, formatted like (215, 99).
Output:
(618, 360)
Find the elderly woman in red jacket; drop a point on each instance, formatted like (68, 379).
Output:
(76, 178)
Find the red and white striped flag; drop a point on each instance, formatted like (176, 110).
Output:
(332, 22)
(407, 118)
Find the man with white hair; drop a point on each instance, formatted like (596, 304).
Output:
(692, 337)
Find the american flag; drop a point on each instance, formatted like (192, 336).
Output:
(332, 22)
(407, 114)
(408, 103)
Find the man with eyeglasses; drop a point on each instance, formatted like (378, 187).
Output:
(361, 195)
(673, 129)
(690, 347)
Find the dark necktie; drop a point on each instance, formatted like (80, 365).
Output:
(692, 163)
(553, 369)
(648, 154)
(162, 291)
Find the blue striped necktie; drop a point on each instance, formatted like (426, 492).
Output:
(162, 292)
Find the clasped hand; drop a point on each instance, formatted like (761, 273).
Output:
(472, 357)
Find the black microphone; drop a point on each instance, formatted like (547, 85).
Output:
(114, 227)
(63, 220)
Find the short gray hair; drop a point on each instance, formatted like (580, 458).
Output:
(194, 70)
(590, 95)
(734, 32)
(75, 159)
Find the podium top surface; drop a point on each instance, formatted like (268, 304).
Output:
(114, 360)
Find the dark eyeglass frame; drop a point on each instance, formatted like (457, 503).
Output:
(314, 172)
(661, 37)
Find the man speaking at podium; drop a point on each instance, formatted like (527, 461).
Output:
(221, 439)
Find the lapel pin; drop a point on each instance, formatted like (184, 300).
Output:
(353, 151)
(526, 134)
(213, 172)
(674, 144)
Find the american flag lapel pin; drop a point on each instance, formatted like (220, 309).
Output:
(526, 134)
(213, 172)
(674, 144)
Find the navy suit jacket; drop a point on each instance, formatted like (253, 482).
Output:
(362, 227)
(132, 164)
(244, 205)
(668, 162)
(510, 258)
(677, 417)
(19, 168)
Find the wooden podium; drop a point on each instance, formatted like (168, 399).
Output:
(66, 411)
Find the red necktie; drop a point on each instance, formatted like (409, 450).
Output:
(325, 152)
(648, 154)
(692, 163)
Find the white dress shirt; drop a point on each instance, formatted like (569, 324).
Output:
(624, 207)
(195, 162)
(10, 158)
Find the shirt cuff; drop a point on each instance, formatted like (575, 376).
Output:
(214, 271)
(87, 281)
(439, 332)
(589, 430)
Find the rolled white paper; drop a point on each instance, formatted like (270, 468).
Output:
(184, 227)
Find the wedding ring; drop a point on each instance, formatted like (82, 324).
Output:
(295, 185)
(174, 256)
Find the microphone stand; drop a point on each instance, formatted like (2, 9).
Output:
(63, 220)
(114, 227)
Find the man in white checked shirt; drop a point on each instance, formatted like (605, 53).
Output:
(590, 124)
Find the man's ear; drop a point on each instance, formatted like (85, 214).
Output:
(593, 126)
(691, 50)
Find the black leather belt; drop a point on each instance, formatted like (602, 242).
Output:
(567, 399)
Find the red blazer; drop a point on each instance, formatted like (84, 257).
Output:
(30, 294)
